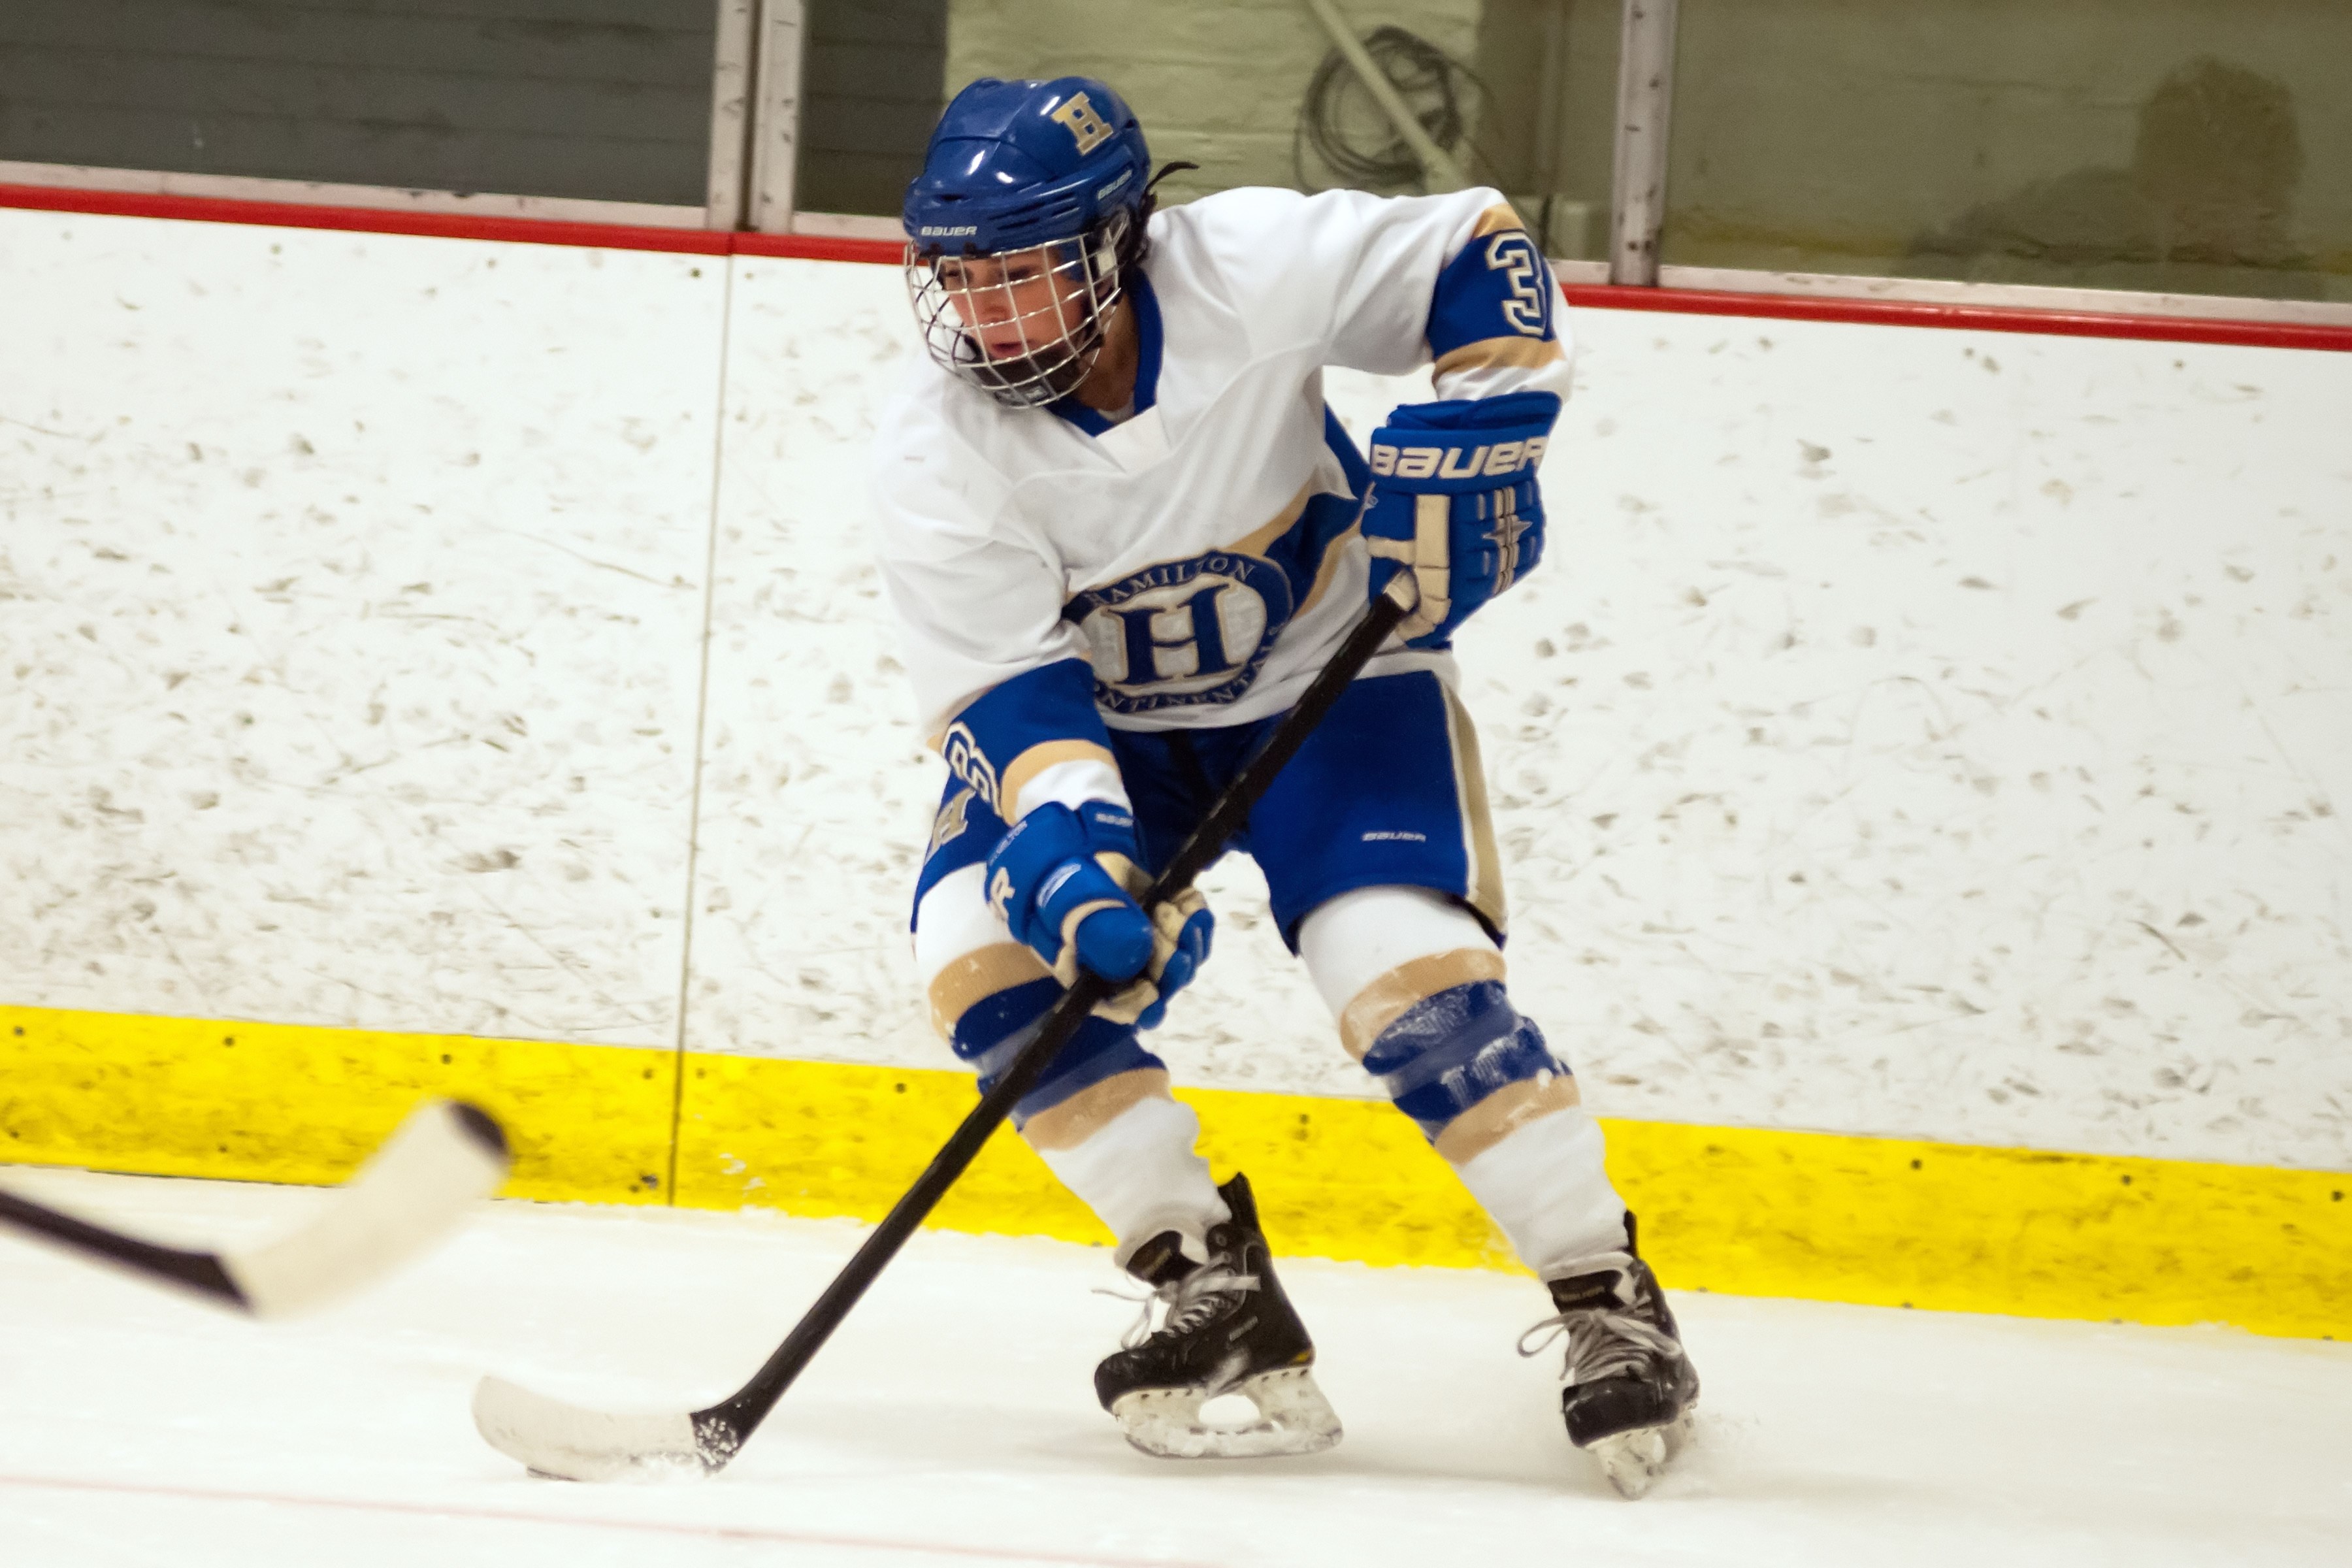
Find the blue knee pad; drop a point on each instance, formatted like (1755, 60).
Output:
(992, 1031)
(1450, 1051)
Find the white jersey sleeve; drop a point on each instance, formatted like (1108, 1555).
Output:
(1390, 284)
(981, 612)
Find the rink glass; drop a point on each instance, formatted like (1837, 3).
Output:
(1521, 92)
(596, 100)
(2196, 146)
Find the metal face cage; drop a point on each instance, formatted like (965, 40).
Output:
(1024, 326)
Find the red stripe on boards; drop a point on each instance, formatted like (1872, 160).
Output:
(364, 220)
(449, 226)
(827, 248)
(1969, 318)
(820, 247)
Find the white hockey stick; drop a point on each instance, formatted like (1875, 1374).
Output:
(444, 1159)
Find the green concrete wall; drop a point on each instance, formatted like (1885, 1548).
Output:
(1214, 81)
(1222, 82)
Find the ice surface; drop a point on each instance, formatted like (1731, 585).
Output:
(952, 1419)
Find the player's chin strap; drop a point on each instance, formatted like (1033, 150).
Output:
(1128, 246)
(1133, 242)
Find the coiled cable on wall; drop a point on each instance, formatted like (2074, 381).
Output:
(1444, 94)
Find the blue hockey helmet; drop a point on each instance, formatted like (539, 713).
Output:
(1032, 202)
(1017, 163)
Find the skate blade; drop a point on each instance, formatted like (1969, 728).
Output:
(1293, 1417)
(1634, 1460)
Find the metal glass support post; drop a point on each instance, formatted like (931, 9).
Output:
(1548, 97)
(1645, 81)
(776, 115)
(730, 120)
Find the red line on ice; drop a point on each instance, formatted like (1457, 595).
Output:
(647, 1527)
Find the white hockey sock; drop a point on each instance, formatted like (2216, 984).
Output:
(1542, 1181)
(1353, 940)
(1545, 1184)
(1138, 1173)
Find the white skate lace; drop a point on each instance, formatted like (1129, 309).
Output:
(1601, 1341)
(1189, 1301)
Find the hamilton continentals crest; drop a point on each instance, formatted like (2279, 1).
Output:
(1183, 632)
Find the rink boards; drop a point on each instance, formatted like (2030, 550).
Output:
(1919, 746)
(1879, 1221)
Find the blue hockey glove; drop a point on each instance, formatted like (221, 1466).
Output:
(1065, 882)
(1182, 930)
(1454, 502)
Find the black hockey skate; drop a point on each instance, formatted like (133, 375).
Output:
(1631, 1385)
(1227, 1328)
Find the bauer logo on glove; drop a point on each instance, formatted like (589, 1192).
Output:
(1498, 461)
(1454, 502)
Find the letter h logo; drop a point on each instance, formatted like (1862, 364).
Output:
(1203, 632)
(1078, 117)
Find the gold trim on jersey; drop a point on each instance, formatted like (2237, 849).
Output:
(1333, 554)
(1254, 544)
(1484, 893)
(1493, 353)
(1259, 542)
(1496, 220)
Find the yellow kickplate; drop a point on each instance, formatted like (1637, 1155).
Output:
(835, 1139)
(1894, 1222)
(1882, 1221)
(277, 1102)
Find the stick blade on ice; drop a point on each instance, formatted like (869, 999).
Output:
(558, 1439)
(553, 1438)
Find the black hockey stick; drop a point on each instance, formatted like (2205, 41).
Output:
(444, 1159)
(561, 1440)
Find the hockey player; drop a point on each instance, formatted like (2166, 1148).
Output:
(1123, 532)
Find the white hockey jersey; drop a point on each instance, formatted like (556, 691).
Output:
(1201, 557)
